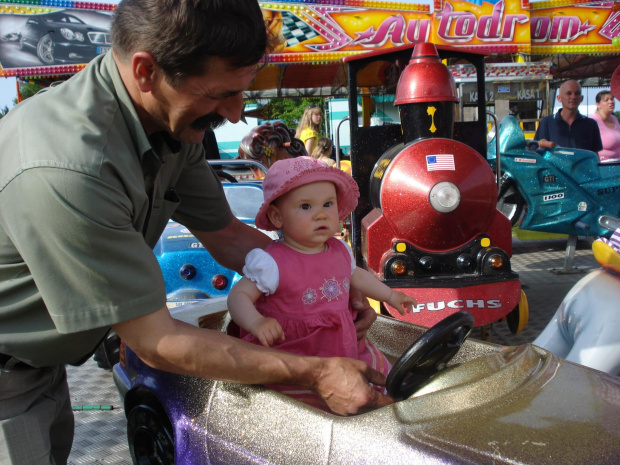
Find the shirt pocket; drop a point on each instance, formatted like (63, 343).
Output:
(160, 214)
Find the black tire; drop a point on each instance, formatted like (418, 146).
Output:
(108, 353)
(45, 50)
(509, 200)
(149, 435)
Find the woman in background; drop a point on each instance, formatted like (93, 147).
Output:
(609, 127)
(309, 127)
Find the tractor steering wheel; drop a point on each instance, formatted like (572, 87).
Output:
(429, 354)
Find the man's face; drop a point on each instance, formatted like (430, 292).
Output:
(570, 95)
(199, 102)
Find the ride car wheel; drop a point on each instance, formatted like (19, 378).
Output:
(509, 201)
(149, 435)
(518, 317)
(429, 354)
(45, 50)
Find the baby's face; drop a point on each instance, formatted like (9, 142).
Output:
(307, 216)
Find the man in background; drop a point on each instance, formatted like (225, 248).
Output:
(568, 127)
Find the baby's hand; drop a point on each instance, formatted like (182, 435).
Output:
(267, 331)
(402, 302)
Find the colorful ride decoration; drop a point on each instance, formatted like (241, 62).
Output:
(320, 32)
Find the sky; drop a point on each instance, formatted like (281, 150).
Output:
(8, 92)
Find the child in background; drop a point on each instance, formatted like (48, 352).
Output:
(294, 295)
(323, 151)
(309, 127)
(268, 143)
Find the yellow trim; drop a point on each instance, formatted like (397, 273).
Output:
(524, 312)
(606, 256)
(376, 305)
(345, 165)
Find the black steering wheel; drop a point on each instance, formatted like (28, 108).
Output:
(429, 354)
(227, 176)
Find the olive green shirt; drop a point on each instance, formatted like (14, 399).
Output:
(84, 196)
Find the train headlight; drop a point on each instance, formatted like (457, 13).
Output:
(496, 261)
(399, 268)
(445, 197)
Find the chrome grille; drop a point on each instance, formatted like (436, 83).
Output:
(100, 38)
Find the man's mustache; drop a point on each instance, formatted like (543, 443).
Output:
(211, 121)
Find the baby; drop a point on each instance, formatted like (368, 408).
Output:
(294, 295)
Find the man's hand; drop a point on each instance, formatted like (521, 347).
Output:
(366, 315)
(546, 144)
(267, 331)
(344, 385)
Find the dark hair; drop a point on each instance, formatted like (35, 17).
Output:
(182, 34)
(263, 140)
(601, 94)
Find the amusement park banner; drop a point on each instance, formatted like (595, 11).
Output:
(54, 37)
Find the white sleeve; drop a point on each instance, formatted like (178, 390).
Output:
(261, 268)
(353, 266)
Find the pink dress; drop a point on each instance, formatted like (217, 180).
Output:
(610, 139)
(309, 296)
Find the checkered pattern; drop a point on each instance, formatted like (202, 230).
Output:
(101, 436)
(294, 30)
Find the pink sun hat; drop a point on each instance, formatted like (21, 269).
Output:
(285, 175)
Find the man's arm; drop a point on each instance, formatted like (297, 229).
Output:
(171, 345)
(542, 136)
(230, 245)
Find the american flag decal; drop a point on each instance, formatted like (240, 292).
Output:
(440, 162)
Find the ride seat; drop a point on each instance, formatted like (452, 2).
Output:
(511, 135)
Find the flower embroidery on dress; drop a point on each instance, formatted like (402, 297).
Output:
(331, 289)
(346, 284)
(309, 296)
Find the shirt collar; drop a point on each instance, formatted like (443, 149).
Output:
(558, 115)
(160, 143)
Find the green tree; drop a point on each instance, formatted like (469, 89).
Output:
(27, 90)
(289, 110)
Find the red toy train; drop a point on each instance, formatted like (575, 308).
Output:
(427, 222)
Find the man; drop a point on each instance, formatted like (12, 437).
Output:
(90, 172)
(569, 128)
